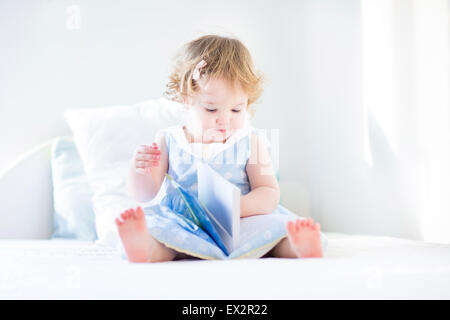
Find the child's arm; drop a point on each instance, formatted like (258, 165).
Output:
(265, 192)
(147, 170)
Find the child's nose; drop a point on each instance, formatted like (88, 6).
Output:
(223, 119)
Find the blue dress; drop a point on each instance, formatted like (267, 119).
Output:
(164, 215)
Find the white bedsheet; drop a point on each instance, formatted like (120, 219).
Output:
(354, 267)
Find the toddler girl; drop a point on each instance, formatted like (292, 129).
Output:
(215, 80)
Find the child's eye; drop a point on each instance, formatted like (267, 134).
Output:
(214, 110)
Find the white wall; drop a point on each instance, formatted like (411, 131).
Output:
(310, 52)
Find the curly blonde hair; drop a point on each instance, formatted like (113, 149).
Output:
(225, 58)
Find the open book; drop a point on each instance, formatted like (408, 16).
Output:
(217, 208)
(223, 200)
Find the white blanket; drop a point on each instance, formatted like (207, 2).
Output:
(354, 267)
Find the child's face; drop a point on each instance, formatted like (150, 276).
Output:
(219, 108)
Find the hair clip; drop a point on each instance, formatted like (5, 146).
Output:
(196, 73)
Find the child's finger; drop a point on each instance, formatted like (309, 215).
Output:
(148, 163)
(147, 149)
(146, 156)
(141, 170)
(143, 148)
(154, 147)
(141, 164)
(150, 152)
(145, 170)
(145, 164)
(154, 151)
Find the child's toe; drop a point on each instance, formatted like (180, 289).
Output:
(139, 213)
(291, 227)
(298, 224)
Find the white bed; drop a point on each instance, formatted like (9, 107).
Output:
(354, 266)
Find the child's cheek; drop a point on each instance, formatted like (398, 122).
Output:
(239, 121)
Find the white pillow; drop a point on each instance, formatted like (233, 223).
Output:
(106, 139)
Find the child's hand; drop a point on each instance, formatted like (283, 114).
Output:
(146, 157)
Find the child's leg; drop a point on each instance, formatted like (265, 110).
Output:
(283, 250)
(139, 245)
(303, 241)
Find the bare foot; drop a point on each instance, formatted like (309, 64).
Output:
(135, 237)
(304, 237)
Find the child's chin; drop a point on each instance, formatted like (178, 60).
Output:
(219, 136)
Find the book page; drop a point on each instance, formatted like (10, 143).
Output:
(222, 199)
